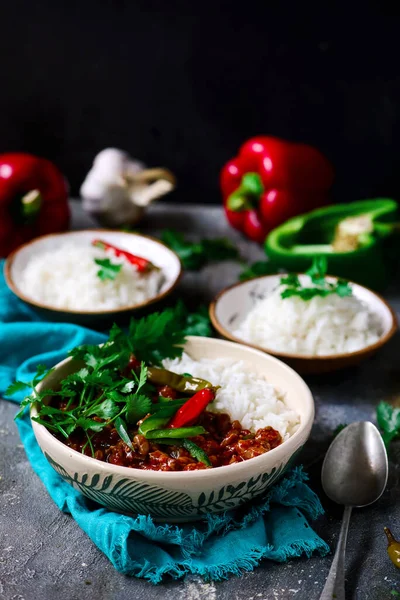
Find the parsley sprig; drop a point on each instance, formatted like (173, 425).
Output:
(195, 255)
(94, 397)
(321, 287)
(388, 418)
(108, 270)
(102, 393)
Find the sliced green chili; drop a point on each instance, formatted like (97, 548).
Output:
(181, 383)
(197, 452)
(178, 433)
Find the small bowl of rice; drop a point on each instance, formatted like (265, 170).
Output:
(317, 335)
(66, 277)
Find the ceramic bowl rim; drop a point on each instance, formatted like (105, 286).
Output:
(109, 311)
(285, 450)
(305, 357)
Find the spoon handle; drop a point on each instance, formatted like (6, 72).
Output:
(334, 586)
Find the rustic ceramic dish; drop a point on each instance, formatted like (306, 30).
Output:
(142, 245)
(185, 496)
(231, 306)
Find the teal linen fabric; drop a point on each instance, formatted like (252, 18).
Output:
(274, 528)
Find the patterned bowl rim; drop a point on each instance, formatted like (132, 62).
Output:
(260, 463)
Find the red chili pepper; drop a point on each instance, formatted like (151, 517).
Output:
(142, 264)
(192, 409)
(270, 181)
(33, 200)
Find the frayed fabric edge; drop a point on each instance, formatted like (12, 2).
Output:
(222, 572)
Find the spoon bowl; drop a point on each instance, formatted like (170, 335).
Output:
(355, 468)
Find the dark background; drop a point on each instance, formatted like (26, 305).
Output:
(182, 84)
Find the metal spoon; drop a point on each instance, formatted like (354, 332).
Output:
(354, 473)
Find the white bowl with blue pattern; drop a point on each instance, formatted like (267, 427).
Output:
(185, 495)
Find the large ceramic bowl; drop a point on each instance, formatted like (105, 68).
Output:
(135, 243)
(184, 496)
(232, 305)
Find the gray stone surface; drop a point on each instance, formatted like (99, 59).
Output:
(44, 554)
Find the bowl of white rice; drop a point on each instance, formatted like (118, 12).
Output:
(255, 388)
(67, 277)
(317, 335)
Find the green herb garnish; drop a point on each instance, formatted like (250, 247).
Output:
(19, 386)
(198, 323)
(151, 339)
(101, 393)
(94, 391)
(321, 287)
(108, 269)
(195, 255)
(388, 418)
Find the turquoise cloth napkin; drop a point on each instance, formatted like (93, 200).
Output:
(275, 527)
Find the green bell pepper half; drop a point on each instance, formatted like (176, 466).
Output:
(294, 244)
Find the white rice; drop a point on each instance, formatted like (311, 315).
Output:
(245, 396)
(67, 278)
(319, 326)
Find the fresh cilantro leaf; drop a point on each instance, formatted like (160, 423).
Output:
(157, 336)
(318, 270)
(51, 410)
(86, 424)
(47, 424)
(197, 323)
(388, 419)
(321, 287)
(195, 255)
(122, 430)
(82, 374)
(137, 407)
(127, 387)
(291, 279)
(141, 380)
(41, 372)
(102, 388)
(17, 386)
(25, 402)
(102, 378)
(105, 410)
(108, 269)
(343, 288)
(116, 396)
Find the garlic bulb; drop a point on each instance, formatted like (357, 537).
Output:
(118, 188)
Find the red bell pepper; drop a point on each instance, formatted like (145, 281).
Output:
(270, 181)
(33, 200)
